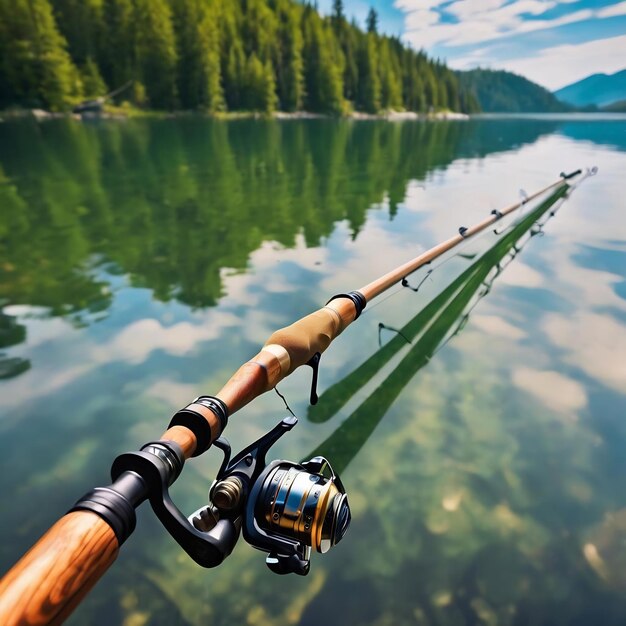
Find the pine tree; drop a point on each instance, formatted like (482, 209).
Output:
(442, 94)
(81, 23)
(390, 86)
(260, 86)
(289, 63)
(369, 81)
(235, 77)
(232, 55)
(117, 57)
(324, 85)
(337, 12)
(452, 87)
(93, 84)
(270, 98)
(372, 21)
(430, 88)
(202, 54)
(156, 52)
(259, 29)
(198, 70)
(35, 65)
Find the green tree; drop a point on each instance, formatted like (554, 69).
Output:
(415, 98)
(156, 52)
(337, 12)
(452, 87)
(322, 69)
(369, 81)
(289, 62)
(442, 94)
(232, 55)
(260, 86)
(347, 36)
(201, 54)
(81, 23)
(259, 28)
(198, 55)
(270, 99)
(371, 21)
(430, 88)
(389, 73)
(93, 84)
(117, 58)
(36, 69)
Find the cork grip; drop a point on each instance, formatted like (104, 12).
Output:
(307, 336)
(286, 350)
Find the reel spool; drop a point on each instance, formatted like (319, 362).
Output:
(300, 502)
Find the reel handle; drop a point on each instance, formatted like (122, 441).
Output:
(156, 466)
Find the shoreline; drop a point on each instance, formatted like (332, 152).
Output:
(120, 114)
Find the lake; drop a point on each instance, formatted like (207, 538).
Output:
(141, 262)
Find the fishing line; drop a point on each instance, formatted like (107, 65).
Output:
(280, 395)
(381, 300)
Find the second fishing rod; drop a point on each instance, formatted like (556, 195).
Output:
(281, 508)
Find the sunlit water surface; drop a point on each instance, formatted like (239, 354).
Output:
(142, 262)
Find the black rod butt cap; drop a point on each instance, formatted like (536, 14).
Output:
(112, 507)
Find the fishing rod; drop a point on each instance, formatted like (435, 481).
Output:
(282, 508)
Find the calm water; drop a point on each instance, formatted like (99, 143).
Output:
(142, 262)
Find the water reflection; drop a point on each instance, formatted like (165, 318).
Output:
(11, 334)
(475, 500)
(172, 203)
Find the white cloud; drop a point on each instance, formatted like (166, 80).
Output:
(553, 389)
(595, 343)
(479, 21)
(561, 65)
(172, 393)
(497, 326)
(466, 9)
(137, 340)
(613, 10)
(519, 274)
(483, 22)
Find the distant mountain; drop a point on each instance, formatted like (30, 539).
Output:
(615, 107)
(498, 91)
(598, 89)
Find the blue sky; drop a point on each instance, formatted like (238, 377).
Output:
(552, 42)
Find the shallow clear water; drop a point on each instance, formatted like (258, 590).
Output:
(142, 262)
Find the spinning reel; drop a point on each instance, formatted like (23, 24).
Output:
(283, 508)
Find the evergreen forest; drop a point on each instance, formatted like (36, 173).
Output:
(214, 55)
(501, 91)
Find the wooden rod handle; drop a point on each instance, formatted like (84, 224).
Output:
(47, 583)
